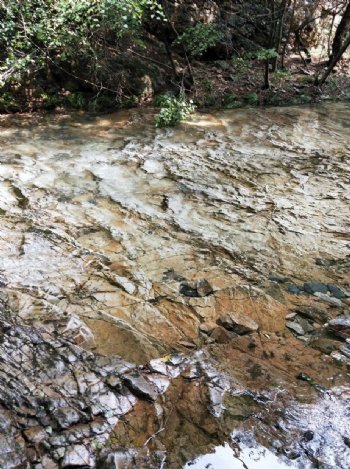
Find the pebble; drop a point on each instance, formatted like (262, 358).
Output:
(278, 279)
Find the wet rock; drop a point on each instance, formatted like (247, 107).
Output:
(340, 326)
(204, 288)
(315, 287)
(140, 386)
(78, 456)
(336, 291)
(238, 323)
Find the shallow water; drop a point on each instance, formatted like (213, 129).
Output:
(106, 218)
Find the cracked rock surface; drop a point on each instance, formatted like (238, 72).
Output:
(163, 291)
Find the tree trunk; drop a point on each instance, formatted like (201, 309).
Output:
(335, 59)
(340, 33)
(279, 33)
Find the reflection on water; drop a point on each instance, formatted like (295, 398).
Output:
(224, 457)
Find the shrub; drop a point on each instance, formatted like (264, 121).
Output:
(173, 110)
(199, 38)
(252, 99)
(230, 101)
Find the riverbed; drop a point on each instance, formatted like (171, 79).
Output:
(214, 255)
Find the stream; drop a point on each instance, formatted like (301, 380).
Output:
(176, 298)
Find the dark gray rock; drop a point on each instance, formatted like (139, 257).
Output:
(336, 292)
(294, 289)
(315, 287)
(140, 386)
(186, 290)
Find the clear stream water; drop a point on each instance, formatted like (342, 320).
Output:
(106, 218)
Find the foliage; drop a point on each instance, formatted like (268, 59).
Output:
(199, 38)
(36, 33)
(8, 102)
(265, 54)
(252, 99)
(230, 101)
(173, 110)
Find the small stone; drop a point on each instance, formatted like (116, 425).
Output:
(291, 315)
(140, 386)
(77, 455)
(315, 287)
(329, 299)
(296, 327)
(204, 288)
(238, 323)
(308, 435)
